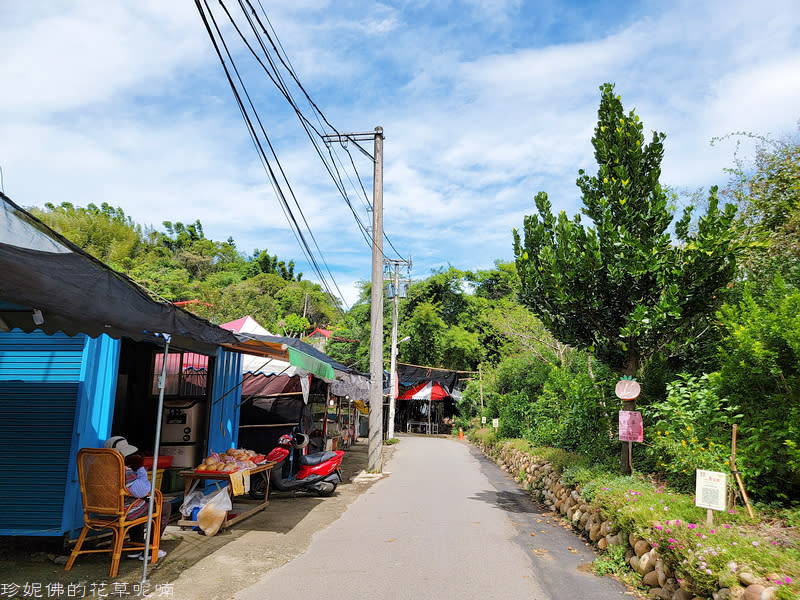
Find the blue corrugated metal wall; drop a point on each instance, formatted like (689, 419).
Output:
(226, 395)
(56, 396)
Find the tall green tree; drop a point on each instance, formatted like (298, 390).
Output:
(624, 287)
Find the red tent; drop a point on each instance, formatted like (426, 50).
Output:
(427, 390)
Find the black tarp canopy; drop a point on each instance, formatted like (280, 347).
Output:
(41, 270)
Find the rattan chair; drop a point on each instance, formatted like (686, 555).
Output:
(101, 474)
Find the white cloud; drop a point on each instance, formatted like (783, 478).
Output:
(482, 107)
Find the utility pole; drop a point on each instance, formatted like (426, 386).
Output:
(393, 362)
(375, 447)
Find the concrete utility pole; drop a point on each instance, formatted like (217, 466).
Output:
(393, 361)
(375, 447)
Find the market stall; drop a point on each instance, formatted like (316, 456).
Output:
(236, 469)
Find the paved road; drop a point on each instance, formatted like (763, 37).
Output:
(447, 523)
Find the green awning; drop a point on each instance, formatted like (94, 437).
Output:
(301, 360)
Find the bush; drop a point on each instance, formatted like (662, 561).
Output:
(760, 372)
(516, 415)
(692, 430)
(570, 413)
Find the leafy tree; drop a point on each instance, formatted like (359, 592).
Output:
(623, 287)
(294, 325)
(768, 194)
(426, 329)
(499, 283)
(444, 288)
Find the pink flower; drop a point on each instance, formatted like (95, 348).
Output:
(727, 526)
(787, 580)
(755, 543)
(692, 526)
(712, 531)
(657, 527)
(708, 571)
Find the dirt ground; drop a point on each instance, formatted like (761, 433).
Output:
(196, 567)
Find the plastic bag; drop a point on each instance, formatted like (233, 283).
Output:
(194, 500)
(212, 515)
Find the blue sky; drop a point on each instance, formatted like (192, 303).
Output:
(483, 104)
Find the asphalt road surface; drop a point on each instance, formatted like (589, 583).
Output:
(446, 523)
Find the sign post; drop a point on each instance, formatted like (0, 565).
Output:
(630, 421)
(495, 424)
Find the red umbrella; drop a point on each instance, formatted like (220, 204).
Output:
(427, 390)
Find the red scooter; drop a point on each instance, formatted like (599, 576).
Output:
(317, 472)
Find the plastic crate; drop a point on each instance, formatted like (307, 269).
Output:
(172, 481)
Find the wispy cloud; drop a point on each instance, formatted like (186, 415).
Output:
(483, 104)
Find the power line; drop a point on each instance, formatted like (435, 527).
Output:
(265, 161)
(317, 111)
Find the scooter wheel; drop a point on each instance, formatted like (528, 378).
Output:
(258, 488)
(326, 493)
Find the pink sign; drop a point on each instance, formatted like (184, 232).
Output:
(630, 426)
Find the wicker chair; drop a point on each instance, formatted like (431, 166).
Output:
(101, 474)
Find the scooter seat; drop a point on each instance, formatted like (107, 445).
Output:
(309, 460)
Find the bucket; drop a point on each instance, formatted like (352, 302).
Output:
(195, 510)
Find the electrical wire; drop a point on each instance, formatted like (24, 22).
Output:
(304, 121)
(265, 161)
(283, 57)
(315, 132)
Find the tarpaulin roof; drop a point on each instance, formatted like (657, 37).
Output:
(304, 357)
(76, 293)
(412, 374)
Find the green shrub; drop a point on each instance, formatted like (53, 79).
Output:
(611, 562)
(760, 372)
(692, 430)
(516, 415)
(570, 413)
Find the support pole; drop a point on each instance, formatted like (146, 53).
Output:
(480, 385)
(393, 362)
(375, 447)
(162, 383)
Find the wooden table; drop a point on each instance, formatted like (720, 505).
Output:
(251, 506)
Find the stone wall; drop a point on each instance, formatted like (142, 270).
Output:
(548, 487)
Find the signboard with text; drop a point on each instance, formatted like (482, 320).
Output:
(495, 423)
(483, 420)
(630, 426)
(710, 489)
